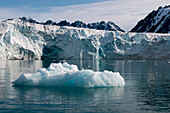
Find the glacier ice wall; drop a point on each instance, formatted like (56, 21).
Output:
(65, 75)
(24, 40)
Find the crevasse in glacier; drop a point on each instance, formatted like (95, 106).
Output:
(24, 40)
(65, 75)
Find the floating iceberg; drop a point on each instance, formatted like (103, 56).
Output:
(65, 75)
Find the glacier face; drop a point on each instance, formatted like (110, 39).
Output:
(24, 40)
(65, 75)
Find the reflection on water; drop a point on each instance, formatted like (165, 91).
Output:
(68, 98)
(147, 89)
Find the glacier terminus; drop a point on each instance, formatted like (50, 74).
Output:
(20, 40)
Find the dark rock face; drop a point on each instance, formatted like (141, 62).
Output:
(63, 23)
(98, 25)
(105, 26)
(157, 21)
(79, 24)
(50, 22)
(28, 20)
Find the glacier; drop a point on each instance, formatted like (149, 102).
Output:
(21, 40)
(66, 75)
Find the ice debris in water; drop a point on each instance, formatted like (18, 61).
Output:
(65, 75)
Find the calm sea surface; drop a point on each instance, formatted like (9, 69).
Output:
(147, 89)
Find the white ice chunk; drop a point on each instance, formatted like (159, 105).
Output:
(65, 75)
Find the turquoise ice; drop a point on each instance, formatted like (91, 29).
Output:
(66, 75)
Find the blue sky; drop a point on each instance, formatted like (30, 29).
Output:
(125, 13)
(45, 3)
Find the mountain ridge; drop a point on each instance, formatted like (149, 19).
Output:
(158, 21)
(110, 26)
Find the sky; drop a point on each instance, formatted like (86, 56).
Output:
(124, 13)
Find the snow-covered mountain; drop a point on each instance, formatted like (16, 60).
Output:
(98, 25)
(25, 40)
(157, 21)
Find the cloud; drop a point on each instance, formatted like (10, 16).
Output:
(27, 6)
(125, 13)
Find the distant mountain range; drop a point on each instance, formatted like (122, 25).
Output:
(157, 21)
(79, 24)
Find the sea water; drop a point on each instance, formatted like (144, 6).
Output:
(147, 88)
